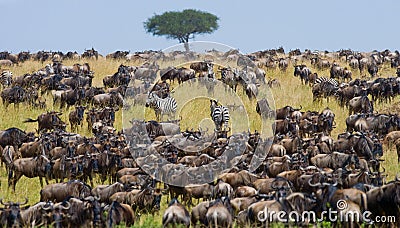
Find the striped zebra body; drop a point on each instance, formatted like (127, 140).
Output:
(166, 106)
(327, 80)
(219, 114)
(324, 87)
(6, 78)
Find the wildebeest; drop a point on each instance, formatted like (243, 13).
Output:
(335, 160)
(15, 137)
(112, 99)
(119, 213)
(34, 215)
(201, 66)
(11, 214)
(48, 121)
(285, 112)
(385, 200)
(59, 191)
(29, 167)
(8, 156)
(6, 62)
(175, 214)
(15, 94)
(155, 129)
(360, 104)
(105, 191)
(220, 213)
(263, 109)
(303, 71)
(148, 199)
(76, 117)
(204, 191)
(72, 97)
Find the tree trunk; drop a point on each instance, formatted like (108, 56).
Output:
(186, 45)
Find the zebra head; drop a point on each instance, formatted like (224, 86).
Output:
(151, 99)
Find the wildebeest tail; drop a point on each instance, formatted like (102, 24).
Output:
(30, 120)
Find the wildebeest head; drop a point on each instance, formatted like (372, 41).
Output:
(282, 187)
(11, 216)
(80, 111)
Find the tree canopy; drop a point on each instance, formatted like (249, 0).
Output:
(181, 25)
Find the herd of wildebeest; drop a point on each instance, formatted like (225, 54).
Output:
(305, 168)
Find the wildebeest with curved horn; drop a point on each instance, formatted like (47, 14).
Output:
(11, 214)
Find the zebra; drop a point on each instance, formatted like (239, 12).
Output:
(230, 77)
(219, 114)
(161, 106)
(324, 87)
(331, 81)
(6, 78)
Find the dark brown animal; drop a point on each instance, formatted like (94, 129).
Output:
(76, 117)
(29, 167)
(48, 121)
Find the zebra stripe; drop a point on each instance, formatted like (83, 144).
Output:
(161, 106)
(6, 78)
(219, 114)
(327, 80)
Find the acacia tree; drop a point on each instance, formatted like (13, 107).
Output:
(181, 25)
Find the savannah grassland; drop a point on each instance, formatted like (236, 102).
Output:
(291, 92)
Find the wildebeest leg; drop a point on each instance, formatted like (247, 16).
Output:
(41, 181)
(15, 179)
(398, 153)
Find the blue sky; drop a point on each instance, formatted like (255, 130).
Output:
(247, 25)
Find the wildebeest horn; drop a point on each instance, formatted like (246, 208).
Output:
(66, 207)
(89, 198)
(49, 207)
(7, 204)
(26, 201)
(263, 195)
(397, 177)
(298, 109)
(97, 198)
(313, 185)
(334, 184)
